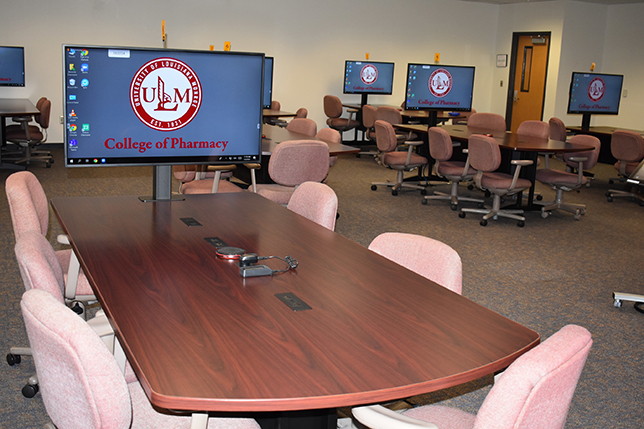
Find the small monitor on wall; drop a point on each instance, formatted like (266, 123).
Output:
(368, 77)
(439, 87)
(12, 66)
(595, 93)
(267, 98)
(141, 106)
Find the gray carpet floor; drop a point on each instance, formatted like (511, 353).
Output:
(550, 273)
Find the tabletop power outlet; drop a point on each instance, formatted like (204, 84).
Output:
(255, 271)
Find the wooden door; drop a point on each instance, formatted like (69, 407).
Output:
(531, 62)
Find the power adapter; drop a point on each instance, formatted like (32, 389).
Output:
(255, 271)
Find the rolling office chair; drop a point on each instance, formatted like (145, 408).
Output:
(368, 120)
(302, 112)
(394, 117)
(82, 385)
(303, 126)
(562, 181)
(535, 392)
(29, 136)
(628, 148)
(485, 157)
(441, 148)
(332, 136)
(316, 202)
(187, 173)
(399, 161)
(333, 110)
(487, 121)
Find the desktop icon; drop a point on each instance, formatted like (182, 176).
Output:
(84, 53)
(85, 128)
(73, 142)
(72, 97)
(72, 67)
(84, 67)
(85, 83)
(72, 114)
(71, 51)
(72, 82)
(72, 128)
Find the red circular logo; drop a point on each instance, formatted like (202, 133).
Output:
(369, 74)
(440, 83)
(165, 94)
(596, 89)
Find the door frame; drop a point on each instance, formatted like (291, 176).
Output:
(509, 102)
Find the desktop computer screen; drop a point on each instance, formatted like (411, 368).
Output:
(439, 87)
(368, 77)
(12, 66)
(141, 106)
(595, 93)
(267, 98)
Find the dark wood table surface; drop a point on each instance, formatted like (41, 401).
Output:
(13, 107)
(200, 337)
(271, 113)
(274, 135)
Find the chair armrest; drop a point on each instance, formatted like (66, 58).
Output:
(410, 149)
(221, 167)
(379, 417)
(519, 163)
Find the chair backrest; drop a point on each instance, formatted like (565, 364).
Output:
(298, 161)
(627, 146)
(79, 379)
(27, 203)
(332, 106)
(329, 135)
(538, 129)
(316, 202)
(303, 126)
(301, 112)
(275, 105)
(385, 136)
(45, 111)
(39, 266)
(440, 144)
(389, 114)
(425, 256)
(536, 390)
(488, 121)
(592, 155)
(484, 153)
(368, 115)
(557, 129)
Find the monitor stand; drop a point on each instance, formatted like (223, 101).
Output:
(585, 121)
(162, 186)
(363, 100)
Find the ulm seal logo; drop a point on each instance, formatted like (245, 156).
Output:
(440, 83)
(369, 74)
(165, 94)
(596, 89)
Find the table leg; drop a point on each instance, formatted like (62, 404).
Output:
(307, 419)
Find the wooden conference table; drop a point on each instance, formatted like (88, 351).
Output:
(604, 134)
(272, 113)
(202, 338)
(13, 107)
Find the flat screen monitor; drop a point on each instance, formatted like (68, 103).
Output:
(12, 66)
(439, 87)
(595, 93)
(161, 107)
(267, 98)
(368, 77)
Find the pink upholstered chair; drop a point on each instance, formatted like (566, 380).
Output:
(538, 129)
(30, 211)
(82, 386)
(423, 255)
(330, 135)
(485, 157)
(567, 180)
(488, 121)
(211, 181)
(316, 202)
(441, 149)
(628, 148)
(303, 126)
(302, 112)
(535, 392)
(368, 121)
(293, 163)
(399, 161)
(29, 136)
(333, 110)
(557, 129)
(187, 173)
(394, 117)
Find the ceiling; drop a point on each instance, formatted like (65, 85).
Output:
(528, 1)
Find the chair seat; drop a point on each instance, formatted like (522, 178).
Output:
(559, 177)
(15, 132)
(630, 167)
(342, 123)
(277, 193)
(442, 416)
(454, 169)
(398, 159)
(205, 187)
(496, 180)
(82, 287)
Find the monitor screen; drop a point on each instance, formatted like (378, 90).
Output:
(439, 87)
(595, 93)
(267, 98)
(12, 66)
(141, 106)
(368, 77)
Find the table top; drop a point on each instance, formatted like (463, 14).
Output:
(200, 337)
(17, 106)
(271, 113)
(441, 115)
(275, 135)
(603, 130)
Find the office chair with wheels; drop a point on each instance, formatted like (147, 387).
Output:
(557, 129)
(331, 136)
(293, 163)
(82, 385)
(368, 120)
(441, 149)
(394, 117)
(275, 105)
(425, 256)
(488, 121)
(303, 126)
(29, 136)
(316, 202)
(485, 157)
(333, 110)
(567, 180)
(399, 161)
(187, 173)
(628, 148)
(535, 392)
(302, 112)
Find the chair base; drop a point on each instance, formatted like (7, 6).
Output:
(398, 187)
(453, 196)
(558, 204)
(494, 212)
(618, 297)
(612, 193)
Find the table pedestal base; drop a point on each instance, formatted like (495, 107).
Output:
(307, 419)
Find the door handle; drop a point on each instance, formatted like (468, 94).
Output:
(516, 95)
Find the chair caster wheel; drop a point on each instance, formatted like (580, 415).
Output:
(394, 192)
(13, 359)
(47, 165)
(423, 192)
(454, 207)
(610, 181)
(617, 303)
(30, 390)
(545, 214)
(641, 203)
(609, 199)
(487, 194)
(461, 215)
(483, 222)
(521, 224)
(577, 215)
(374, 187)
(539, 197)
(357, 155)
(480, 205)
(423, 202)
(470, 187)
(78, 308)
